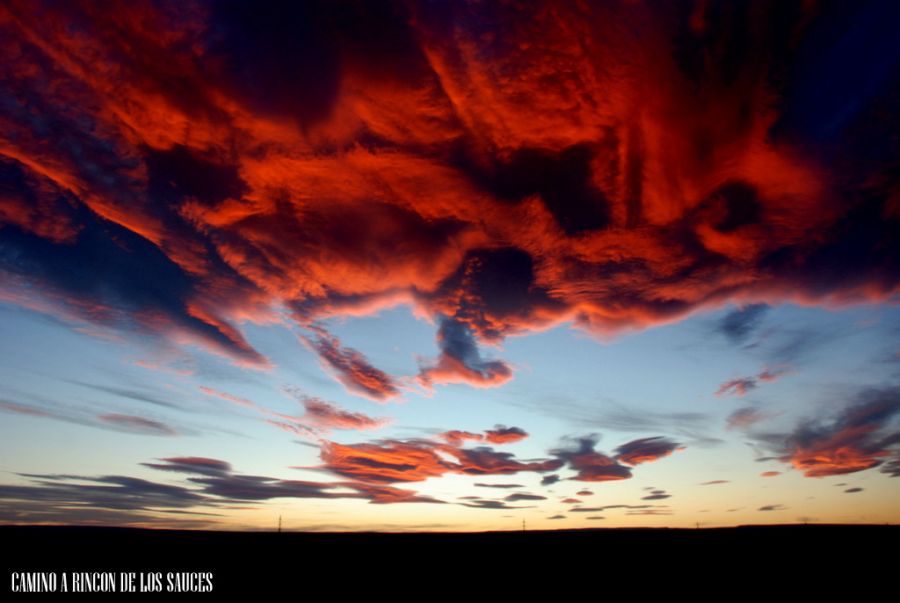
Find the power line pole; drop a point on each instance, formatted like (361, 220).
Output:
(279, 524)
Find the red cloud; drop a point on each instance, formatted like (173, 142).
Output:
(860, 437)
(742, 385)
(505, 435)
(391, 461)
(601, 163)
(352, 368)
(320, 416)
(457, 437)
(646, 450)
(328, 416)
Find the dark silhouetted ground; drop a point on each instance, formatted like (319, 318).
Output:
(469, 566)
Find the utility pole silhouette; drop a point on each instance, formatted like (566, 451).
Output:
(279, 524)
(523, 525)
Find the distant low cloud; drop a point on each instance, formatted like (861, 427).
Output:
(519, 496)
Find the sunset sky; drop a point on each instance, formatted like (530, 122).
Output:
(449, 265)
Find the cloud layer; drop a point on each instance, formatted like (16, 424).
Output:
(607, 164)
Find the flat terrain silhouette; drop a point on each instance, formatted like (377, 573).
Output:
(252, 563)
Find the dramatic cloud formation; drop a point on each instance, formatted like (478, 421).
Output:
(211, 484)
(615, 165)
(590, 465)
(390, 461)
(860, 437)
(593, 466)
(236, 179)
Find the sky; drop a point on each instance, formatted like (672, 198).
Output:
(449, 266)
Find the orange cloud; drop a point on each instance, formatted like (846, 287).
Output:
(352, 368)
(604, 163)
(860, 437)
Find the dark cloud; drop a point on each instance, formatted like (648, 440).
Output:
(140, 425)
(140, 395)
(892, 467)
(501, 486)
(557, 517)
(460, 360)
(491, 504)
(593, 466)
(549, 480)
(738, 325)
(519, 496)
(211, 484)
(772, 508)
(716, 482)
(590, 465)
(192, 464)
(853, 490)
